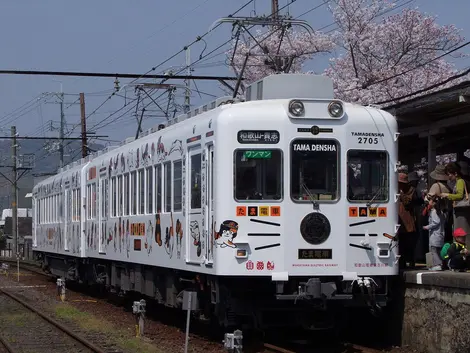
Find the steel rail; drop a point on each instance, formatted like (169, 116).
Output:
(7, 345)
(276, 349)
(53, 322)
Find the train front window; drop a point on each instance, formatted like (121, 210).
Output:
(258, 174)
(367, 176)
(314, 170)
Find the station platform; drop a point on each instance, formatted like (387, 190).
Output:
(447, 278)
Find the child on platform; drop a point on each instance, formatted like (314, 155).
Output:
(456, 253)
(436, 227)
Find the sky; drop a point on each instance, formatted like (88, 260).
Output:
(128, 37)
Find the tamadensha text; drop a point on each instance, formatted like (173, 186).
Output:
(368, 134)
(314, 148)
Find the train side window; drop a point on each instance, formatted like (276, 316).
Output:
(314, 170)
(134, 193)
(177, 186)
(141, 191)
(113, 197)
(88, 201)
(195, 181)
(367, 176)
(258, 174)
(158, 188)
(79, 204)
(106, 199)
(150, 196)
(126, 194)
(73, 205)
(119, 192)
(167, 170)
(93, 200)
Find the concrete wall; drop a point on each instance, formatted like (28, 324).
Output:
(436, 314)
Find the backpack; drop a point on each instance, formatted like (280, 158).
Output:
(444, 250)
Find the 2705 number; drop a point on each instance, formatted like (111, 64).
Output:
(368, 140)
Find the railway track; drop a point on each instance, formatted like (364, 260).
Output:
(26, 329)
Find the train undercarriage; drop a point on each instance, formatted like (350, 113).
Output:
(231, 302)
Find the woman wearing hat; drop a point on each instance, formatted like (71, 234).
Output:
(407, 233)
(460, 193)
(437, 189)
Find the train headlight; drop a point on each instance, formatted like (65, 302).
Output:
(241, 254)
(335, 109)
(296, 108)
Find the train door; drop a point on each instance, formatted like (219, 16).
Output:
(35, 205)
(194, 224)
(209, 204)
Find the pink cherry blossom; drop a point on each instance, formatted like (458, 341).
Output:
(278, 47)
(404, 45)
(381, 57)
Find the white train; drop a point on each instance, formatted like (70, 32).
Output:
(286, 200)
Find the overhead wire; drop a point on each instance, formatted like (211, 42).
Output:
(415, 67)
(159, 31)
(120, 116)
(452, 78)
(198, 39)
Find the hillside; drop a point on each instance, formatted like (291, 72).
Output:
(46, 162)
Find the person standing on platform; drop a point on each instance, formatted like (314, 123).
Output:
(422, 241)
(459, 197)
(407, 234)
(437, 188)
(436, 228)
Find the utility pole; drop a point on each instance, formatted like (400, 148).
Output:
(62, 125)
(187, 82)
(275, 9)
(83, 124)
(14, 203)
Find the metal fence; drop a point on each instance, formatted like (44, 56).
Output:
(25, 250)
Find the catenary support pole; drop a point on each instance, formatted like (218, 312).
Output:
(187, 81)
(14, 205)
(83, 124)
(62, 126)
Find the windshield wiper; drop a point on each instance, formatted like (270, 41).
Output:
(377, 193)
(314, 202)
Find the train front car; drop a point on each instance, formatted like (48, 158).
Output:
(309, 225)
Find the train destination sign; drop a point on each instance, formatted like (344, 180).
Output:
(257, 154)
(258, 136)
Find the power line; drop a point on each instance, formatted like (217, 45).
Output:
(44, 138)
(160, 30)
(116, 75)
(415, 67)
(120, 116)
(198, 38)
(452, 78)
(314, 8)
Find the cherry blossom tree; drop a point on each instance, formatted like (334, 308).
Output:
(388, 58)
(272, 51)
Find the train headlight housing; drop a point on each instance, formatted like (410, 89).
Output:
(335, 109)
(296, 108)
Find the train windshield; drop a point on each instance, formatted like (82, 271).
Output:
(367, 176)
(258, 174)
(314, 170)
